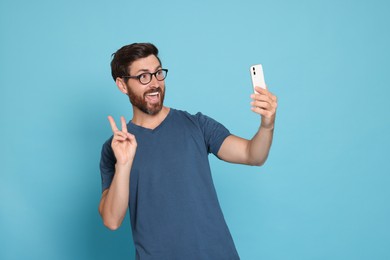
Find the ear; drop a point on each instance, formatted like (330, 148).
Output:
(120, 83)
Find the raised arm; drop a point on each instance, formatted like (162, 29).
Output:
(114, 202)
(255, 151)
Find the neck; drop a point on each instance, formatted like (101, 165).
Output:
(149, 121)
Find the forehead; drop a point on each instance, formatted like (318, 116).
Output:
(149, 64)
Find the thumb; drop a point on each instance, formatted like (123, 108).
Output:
(131, 137)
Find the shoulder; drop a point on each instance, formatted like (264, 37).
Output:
(107, 143)
(106, 147)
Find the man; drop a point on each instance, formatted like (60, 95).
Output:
(157, 165)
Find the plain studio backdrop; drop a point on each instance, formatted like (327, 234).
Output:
(324, 191)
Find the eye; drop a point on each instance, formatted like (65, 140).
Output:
(144, 76)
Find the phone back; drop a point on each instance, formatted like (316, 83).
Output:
(257, 76)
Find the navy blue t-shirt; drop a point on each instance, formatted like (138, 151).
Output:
(174, 210)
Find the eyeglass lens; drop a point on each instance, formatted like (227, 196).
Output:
(145, 78)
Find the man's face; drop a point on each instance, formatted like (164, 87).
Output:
(148, 98)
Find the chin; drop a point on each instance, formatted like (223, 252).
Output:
(153, 111)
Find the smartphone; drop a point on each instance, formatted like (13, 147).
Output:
(257, 76)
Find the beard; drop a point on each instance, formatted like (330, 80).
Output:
(142, 104)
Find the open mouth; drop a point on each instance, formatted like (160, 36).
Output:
(153, 97)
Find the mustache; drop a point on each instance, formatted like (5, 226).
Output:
(159, 90)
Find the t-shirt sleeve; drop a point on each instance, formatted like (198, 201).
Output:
(213, 131)
(107, 164)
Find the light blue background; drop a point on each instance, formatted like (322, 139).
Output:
(323, 193)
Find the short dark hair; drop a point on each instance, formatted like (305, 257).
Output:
(125, 56)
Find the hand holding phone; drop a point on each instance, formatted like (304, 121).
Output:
(257, 77)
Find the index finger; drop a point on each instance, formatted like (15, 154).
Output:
(112, 123)
(261, 90)
(124, 125)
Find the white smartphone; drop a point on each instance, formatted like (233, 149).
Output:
(257, 77)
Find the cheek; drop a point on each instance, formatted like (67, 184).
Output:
(134, 91)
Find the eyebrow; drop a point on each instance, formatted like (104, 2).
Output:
(145, 70)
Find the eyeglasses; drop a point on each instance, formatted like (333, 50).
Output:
(146, 77)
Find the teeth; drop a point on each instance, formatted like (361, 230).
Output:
(153, 94)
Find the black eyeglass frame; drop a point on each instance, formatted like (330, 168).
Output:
(147, 73)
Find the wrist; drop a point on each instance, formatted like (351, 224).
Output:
(267, 127)
(267, 123)
(126, 166)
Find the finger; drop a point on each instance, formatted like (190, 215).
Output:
(263, 112)
(258, 96)
(261, 90)
(124, 125)
(266, 98)
(119, 138)
(261, 104)
(118, 135)
(131, 138)
(258, 110)
(112, 123)
(267, 101)
(266, 92)
(261, 97)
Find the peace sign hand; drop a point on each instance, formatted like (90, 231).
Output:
(123, 143)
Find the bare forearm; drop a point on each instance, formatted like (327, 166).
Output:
(115, 203)
(260, 145)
